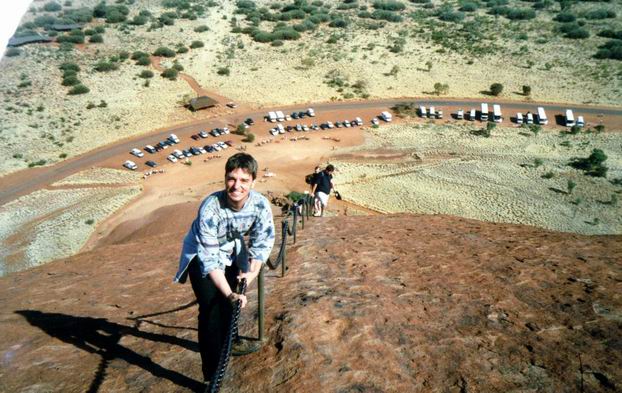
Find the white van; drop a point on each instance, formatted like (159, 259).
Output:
(280, 129)
(280, 116)
(422, 111)
(496, 113)
(529, 118)
(569, 118)
(386, 116)
(472, 115)
(483, 115)
(519, 118)
(580, 121)
(432, 113)
(542, 119)
(460, 114)
(272, 117)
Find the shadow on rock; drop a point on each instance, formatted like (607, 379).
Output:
(98, 335)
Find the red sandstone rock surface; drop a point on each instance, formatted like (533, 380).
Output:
(400, 303)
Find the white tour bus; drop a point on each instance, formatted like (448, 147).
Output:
(569, 118)
(496, 113)
(519, 118)
(472, 114)
(542, 119)
(422, 111)
(432, 113)
(483, 116)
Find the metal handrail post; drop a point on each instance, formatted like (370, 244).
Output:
(261, 303)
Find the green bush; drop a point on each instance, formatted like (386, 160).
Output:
(610, 50)
(600, 13)
(71, 81)
(250, 138)
(105, 66)
(124, 55)
(496, 89)
(78, 89)
(146, 74)
(74, 39)
(389, 5)
(573, 30)
(277, 43)
(201, 29)
(138, 54)
(67, 67)
(143, 61)
(78, 15)
(526, 90)
(164, 52)
(468, 6)
(197, 44)
(223, 71)
(592, 165)
(181, 49)
(608, 33)
(96, 39)
(389, 16)
(170, 73)
(565, 17)
(139, 20)
(339, 23)
(90, 221)
(178, 67)
(52, 7)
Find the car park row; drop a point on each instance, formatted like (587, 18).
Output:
(177, 154)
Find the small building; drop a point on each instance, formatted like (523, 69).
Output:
(201, 103)
(67, 27)
(28, 39)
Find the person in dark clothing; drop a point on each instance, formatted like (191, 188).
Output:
(322, 187)
(211, 248)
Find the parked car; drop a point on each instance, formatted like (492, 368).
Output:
(172, 158)
(330, 124)
(311, 112)
(137, 153)
(187, 153)
(225, 131)
(232, 105)
(195, 151)
(230, 143)
(195, 137)
(152, 164)
(249, 121)
(274, 131)
(130, 165)
(302, 114)
(315, 126)
(295, 115)
(347, 124)
(460, 114)
(178, 154)
(216, 147)
(288, 118)
(223, 145)
(359, 121)
(203, 134)
(305, 127)
(209, 148)
(338, 124)
(150, 149)
(375, 121)
(173, 138)
(201, 150)
(298, 127)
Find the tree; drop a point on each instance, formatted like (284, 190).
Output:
(571, 185)
(250, 137)
(394, 70)
(441, 88)
(170, 73)
(592, 165)
(526, 90)
(428, 65)
(496, 89)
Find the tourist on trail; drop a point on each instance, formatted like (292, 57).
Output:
(322, 186)
(210, 248)
(313, 176)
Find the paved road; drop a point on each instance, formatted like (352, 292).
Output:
(26, 181)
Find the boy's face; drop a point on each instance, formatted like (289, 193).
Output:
(238, 184)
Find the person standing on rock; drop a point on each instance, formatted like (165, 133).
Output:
(322, 186)
(210, 248)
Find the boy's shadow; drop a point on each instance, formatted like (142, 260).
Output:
(98, 335)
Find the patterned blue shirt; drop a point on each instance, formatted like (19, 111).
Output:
(209, 237)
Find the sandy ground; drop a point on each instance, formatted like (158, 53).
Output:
(423, 168)
(262, 75)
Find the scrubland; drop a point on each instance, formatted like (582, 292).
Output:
(513, 176)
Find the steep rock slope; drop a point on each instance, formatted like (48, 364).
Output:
(369, 304)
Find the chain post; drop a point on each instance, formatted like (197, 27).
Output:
(261, 303)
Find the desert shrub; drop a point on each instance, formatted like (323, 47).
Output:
(79, 15)
(250, 137)
(71, 80)
(170, 73)
(52, 7)
(449, 15)
(178, 67)
(565, 17)
(548, 175)
(610, 50)
(89, 32)
(90, 221)
(468, 6)
(526, 90)
(201, 29)
(263, 36)
(601, 13)
(146, 74)
(277, 43)
(165, 52)
(12, 52)
(197, 44)
(74, 39)
(592, 165)
(68, 66)
(105, 66)
(124, 55)
(96, 39)
(573, 30)
(306, 25)
(181, 49)
(45, 20)
(339, 23)
(608, 33)
(143, 61)
(496, 89)
(389, 16)
(138, 54)
(389, 5)
(223, 71)
(441, 88)
(139, 20)
(287, 33)
(520, 14)
(78, 89)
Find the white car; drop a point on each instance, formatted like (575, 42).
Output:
(172, 158)
(330, 124)
(137, 153)
(223, 145)
(298, 127)
(178, 153)
(130, 165)
(359, 121)
(305, 127)
(173, 138)
(274, 131)
(216, 147)
(225, 130)
(460, 114)
(203, 134)
(310, 112)
(202, 150)
(346, 123)
(375, 121)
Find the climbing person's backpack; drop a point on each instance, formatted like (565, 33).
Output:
(309, 178)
